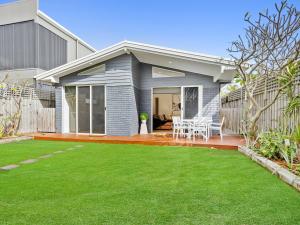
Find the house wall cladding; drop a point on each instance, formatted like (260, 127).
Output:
(122, 116)
(121, 103)
(211, 98)
(29, 45)
(128, 92)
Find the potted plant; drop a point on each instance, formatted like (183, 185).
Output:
(144, 117)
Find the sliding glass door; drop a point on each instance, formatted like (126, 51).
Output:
(98, 110)
(83, 102)
(70, 95)
(86, 106)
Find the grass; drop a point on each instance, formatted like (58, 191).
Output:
(134, 184)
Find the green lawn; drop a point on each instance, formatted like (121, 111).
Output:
(134, 184)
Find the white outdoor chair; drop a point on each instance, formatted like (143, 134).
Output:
(208, 120)
(176, 125)
(200, 128)
(179, 127)
(218, 127)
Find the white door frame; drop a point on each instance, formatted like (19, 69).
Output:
(200, 99)
(91, 108)
(151, 130)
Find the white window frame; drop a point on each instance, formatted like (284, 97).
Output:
(158, 72)
(101, 68)
(65, 110)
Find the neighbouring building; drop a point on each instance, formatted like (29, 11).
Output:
(31, 42)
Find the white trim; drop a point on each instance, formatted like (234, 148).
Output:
(100, 69)
(65, 113)
(200, 99)
(121, 48)
(152, 93)
(91, 109)
(64, 30)
(76, 125)
(151, 110)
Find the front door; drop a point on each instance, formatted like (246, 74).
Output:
(191, 100)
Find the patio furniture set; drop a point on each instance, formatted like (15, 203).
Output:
(196, 127)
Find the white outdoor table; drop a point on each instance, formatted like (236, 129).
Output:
(191, 122)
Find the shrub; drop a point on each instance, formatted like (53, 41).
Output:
(276, 145)
(269, 144)
(288, 152)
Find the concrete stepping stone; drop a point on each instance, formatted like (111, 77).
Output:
(9, 167)
(58, 152)
(46, 156)
(29, 161)
(78, 146)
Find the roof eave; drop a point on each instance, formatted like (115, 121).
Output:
(127, 47)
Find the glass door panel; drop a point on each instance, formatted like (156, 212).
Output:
(190, 102)
(98, 110)
(83, 102)
(70, 93)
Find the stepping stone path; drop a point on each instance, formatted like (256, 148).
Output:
(78, 146)
(9, 167)
(46, 156)
(29, 161)
(58, 152)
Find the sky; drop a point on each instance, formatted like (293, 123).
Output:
(195, 25)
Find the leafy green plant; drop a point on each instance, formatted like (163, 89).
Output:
(144, 116)
(296, 138)
(296, 134)
(276, 145)
(298, 169)
(269, 144)
(288, 153)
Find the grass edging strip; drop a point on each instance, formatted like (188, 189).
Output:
(14, 139)
(281, 172)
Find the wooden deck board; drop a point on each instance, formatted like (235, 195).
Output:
(228, 142)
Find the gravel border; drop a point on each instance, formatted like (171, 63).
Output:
(14, 139)
(276, 169)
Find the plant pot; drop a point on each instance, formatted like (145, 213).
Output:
(143, 129)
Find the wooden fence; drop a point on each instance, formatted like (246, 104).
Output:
(37, 109)
(233, 109)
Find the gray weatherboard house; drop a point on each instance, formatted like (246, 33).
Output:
(104, 92)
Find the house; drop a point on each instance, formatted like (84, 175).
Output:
(31, 42)
(104, 92)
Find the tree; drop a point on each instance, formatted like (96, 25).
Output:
(269, 46)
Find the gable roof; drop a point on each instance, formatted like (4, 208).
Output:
(217, 67)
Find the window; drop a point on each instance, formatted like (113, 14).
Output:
(160, 73)
(93, 71)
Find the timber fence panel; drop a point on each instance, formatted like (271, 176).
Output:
(272, 118)
(34, 103)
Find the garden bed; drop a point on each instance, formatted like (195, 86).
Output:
(14, 139)
(278, 167)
